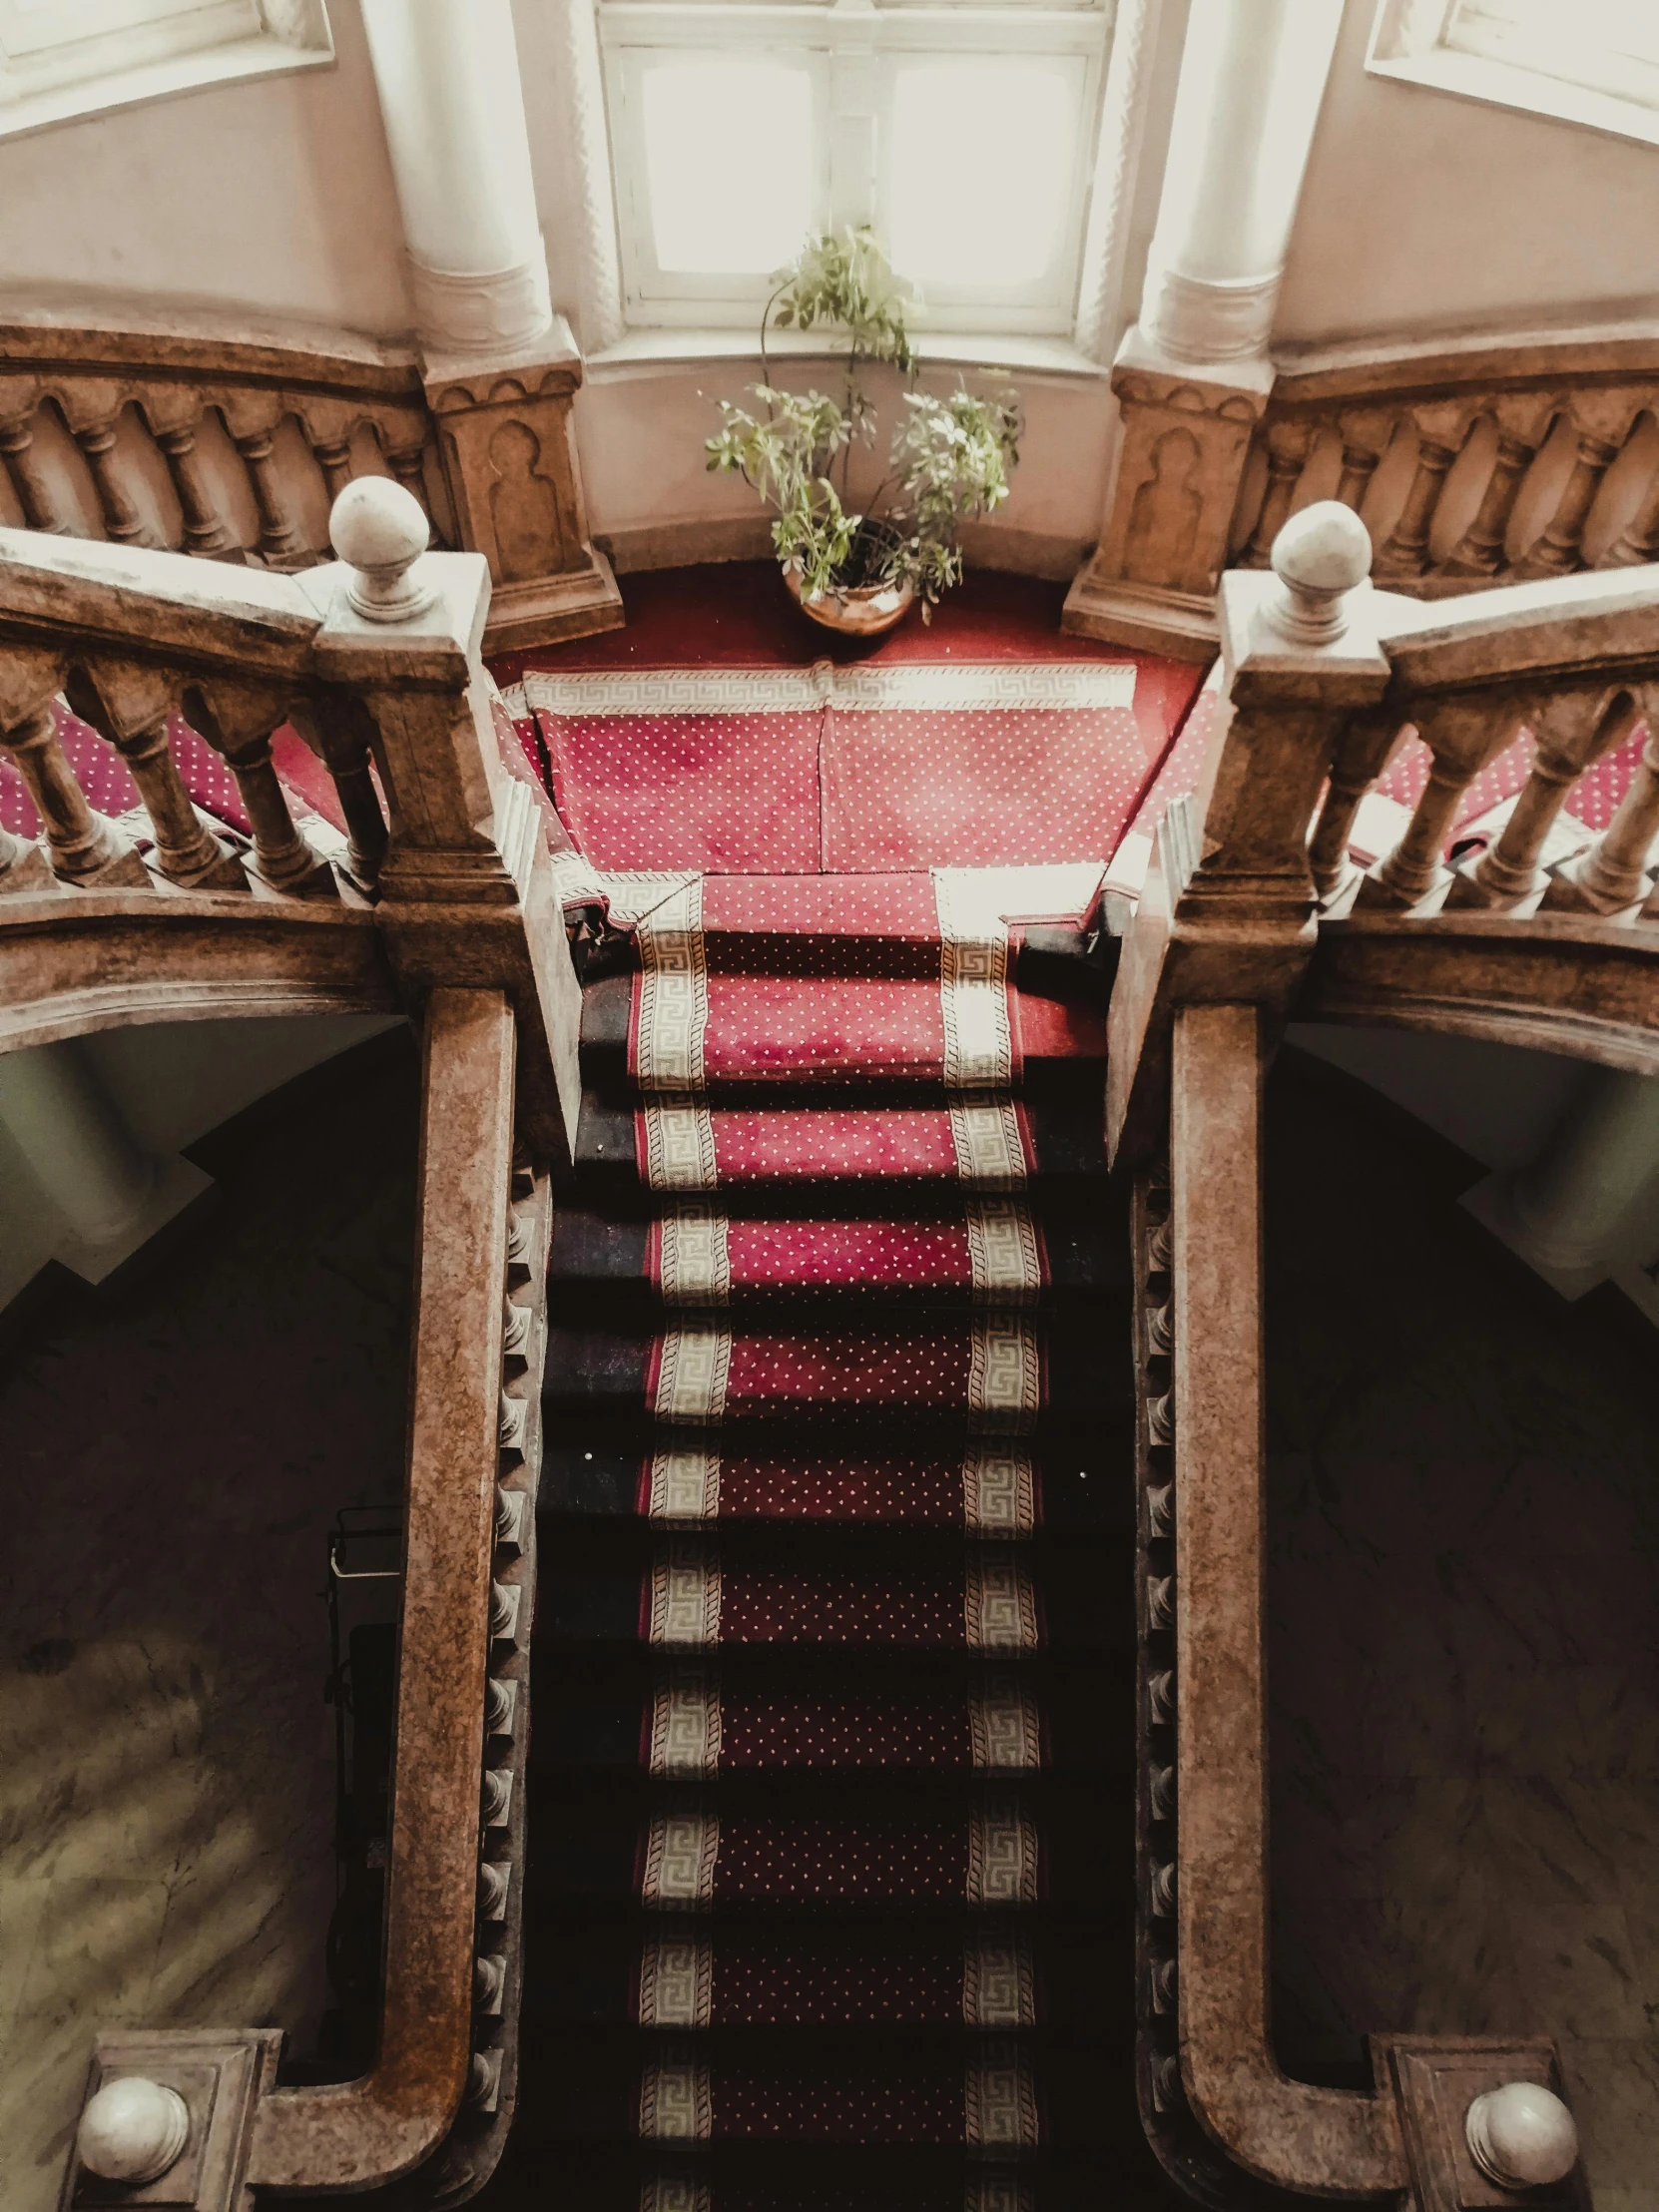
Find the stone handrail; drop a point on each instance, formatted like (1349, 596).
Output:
(231, 443)
(439, 899)
(1256, 906)
(1487, 463)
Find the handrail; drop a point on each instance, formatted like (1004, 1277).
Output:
(384, 2125)
(437, 899)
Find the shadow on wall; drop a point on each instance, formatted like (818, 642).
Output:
(178, 1447)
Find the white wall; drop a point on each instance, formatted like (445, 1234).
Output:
(1424, 213)
(273, 196)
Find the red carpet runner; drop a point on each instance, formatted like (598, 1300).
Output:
(829, 1887)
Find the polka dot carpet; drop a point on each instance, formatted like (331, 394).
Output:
(799, 1497)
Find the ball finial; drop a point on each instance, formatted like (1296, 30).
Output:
(1521, 2136)
(1319, 557)
(381, 530)
(132, 2130)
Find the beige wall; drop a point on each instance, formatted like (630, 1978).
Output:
(1424, 213)
(275, 194)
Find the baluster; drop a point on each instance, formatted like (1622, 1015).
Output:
(1638, 541)
(1463, 735)
(87, 849)
(185, 852)
(283, 859)
(281, 545)
(1362, 756)
(1406, 551)
(23, 866)
(340, 730)
(41, 510)
(1559, 551)
(1613, 874)
(1573, 731)
(334, 457)
(122, 524)
(409, 464)
(1358, 467)
(207, 533)
(1480, 551)
(1287, 453)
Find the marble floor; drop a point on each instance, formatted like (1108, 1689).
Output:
(174, 1457)
(1464, 1643)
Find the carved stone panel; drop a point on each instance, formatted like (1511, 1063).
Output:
(505, 434)
(220, 2073)
(1436, 2079)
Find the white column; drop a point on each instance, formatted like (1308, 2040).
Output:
(447, 73)
(1581, 1210)
(1253, 75)
(111, 1196)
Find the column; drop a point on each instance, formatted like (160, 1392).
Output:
(1191, 376)
(460, 153)
(501, 369)
(110, 1196)
(1588, 1206)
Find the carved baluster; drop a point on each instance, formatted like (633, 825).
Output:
(334, 457)
(1638, 541)
(238, 727)
(185, 852)
(1558, 552)
(1405, 550)
(85, 847)
(1573, 731)
(1358, 467)
(1480, 551)
(409, 464)
(280, 546)
(1362, 756)
(1462, 735)
(1613, 874)
(205, 530)
(338, 729)
(1287, 453)
(41, 510)
(122, 524)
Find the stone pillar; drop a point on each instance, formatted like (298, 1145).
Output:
(501, 369)
(1193, 375)
(82, 1154)
(1588, 1206)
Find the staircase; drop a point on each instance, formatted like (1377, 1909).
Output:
(830, 1897)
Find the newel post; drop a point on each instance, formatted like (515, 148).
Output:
(466, 893)
(1227, 913)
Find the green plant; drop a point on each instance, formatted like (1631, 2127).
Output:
(948, 461)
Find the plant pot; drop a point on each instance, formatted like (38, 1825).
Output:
(866, 611)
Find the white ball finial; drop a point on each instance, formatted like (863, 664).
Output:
(1320, 556)
(381, 530)
(1521, 2136)
(132, 2130)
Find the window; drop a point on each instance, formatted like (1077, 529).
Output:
(964, 133)
(63, 58)
(1594, 62)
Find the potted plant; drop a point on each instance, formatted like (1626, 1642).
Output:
(948, 460)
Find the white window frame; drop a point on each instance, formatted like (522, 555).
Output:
(62, 60)
(852, 50)
(1464, 47)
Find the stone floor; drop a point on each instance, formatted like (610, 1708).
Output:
(1465, 1525)
(175, 1455)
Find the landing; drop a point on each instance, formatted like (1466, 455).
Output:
(723, 730)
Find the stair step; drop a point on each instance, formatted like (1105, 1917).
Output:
(913, 1148)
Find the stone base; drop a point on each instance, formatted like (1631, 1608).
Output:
(1181, 623)
(550, 608)
(176, 1187)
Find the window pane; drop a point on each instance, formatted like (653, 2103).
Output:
(728, 162)
(981, 164)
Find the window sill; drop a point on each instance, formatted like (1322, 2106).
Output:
(1503, 85)
(645, 351)
(237, 62)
